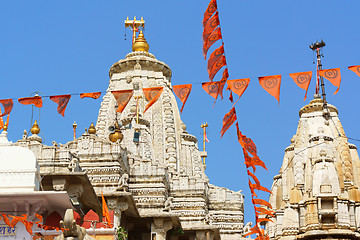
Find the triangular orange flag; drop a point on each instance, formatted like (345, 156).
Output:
(271, 84)
(302, 79)
(6, 219)
(238, 86)
(333, 75)
(216, 67)
(214, 36)
(212, 7)
(355, 69)
(122, 98)
(214, 57)
(8, 105)
(62, 101)
(253, 161)
(105, 211)
(37, 101)
(261, 210)
(94, 95)
(212, 88)
(182, 92)
(228, 120)
(210, 25)
(261, 202)
(152, 95)
(224, 77)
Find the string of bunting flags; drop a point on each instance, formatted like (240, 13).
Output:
(216, 61)
(11, 221)
(271, 84)
(122, 97)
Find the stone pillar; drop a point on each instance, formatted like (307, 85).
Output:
(357, 216)
(302, 216)
(352, 215)
(279, 222)
(160, 226)
(118, 206)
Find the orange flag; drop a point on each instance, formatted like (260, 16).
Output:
(28, 226)
(302, 79)
(253, 230)
(62, 101)
(210, 25)
(253, 161)
(6, 219)
(214, 57)
(238, 86)
(122, 98)
(152, 95)
(39, 217)
(228, 120)
(224, 77)
(37, 101)
(261, 202)
(212, 7)
(216, 67)
(355, 69)
(333, 75)
(271, 84)
(105, 210)
(182, 92)
(261, 210)
(214, 36)
(256, 180)
(94, 95)
(8, 105)
(254, 187)
(212, 88)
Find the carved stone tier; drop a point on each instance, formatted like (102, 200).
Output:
(315, 195)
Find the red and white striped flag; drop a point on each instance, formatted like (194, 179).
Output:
(206, 139)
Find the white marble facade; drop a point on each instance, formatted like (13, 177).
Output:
(163, 173)
(316, 194)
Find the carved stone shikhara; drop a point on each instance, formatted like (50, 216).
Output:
(163, 172)
(316, 194)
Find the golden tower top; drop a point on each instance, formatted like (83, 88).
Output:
(139, 43)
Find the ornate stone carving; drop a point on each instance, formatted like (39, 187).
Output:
(72, 230)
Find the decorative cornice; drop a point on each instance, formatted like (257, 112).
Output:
(316, 105)
(146, 61)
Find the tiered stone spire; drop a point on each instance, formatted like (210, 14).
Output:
(316, 194)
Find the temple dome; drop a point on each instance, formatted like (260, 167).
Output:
(19, 170)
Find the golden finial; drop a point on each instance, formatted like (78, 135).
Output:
(134, 26)
(116, 135)
(204, 126)
(140, 44)
(35, 128)
(92, 129)
(5, 127)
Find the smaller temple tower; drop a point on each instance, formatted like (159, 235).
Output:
(316, 193)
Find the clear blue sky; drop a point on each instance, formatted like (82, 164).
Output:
(60, 47)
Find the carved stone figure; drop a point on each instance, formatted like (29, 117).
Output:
(74, 231)
(123, 183)
(168, 204)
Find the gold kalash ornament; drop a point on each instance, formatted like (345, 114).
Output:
(35, 128)
(116, 135)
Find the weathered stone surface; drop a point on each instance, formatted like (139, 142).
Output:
(315, 195)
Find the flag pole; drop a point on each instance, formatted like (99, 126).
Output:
(204, 126)
(317, 46)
